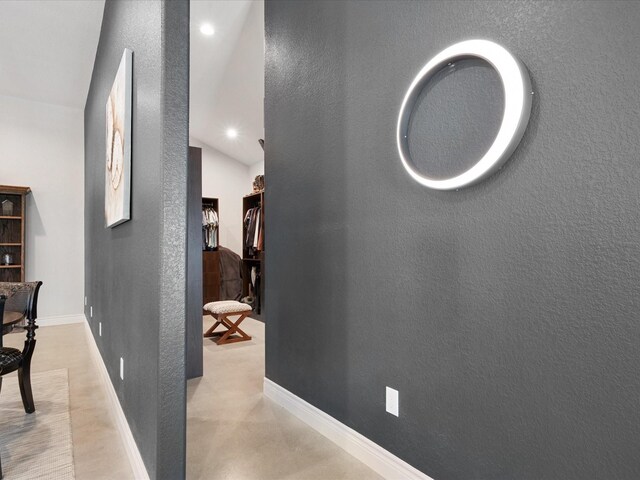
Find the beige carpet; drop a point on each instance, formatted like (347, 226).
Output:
(37, 445)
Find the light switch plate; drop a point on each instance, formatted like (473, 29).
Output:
(393, 405)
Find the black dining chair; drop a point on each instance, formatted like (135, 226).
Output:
(19, 308)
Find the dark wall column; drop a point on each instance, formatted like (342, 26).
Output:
(194, 265)
(135, 273)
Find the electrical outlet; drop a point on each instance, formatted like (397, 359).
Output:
(85, 300)
(91, 311)
(393, 405)
(121, 368)
(100, 329)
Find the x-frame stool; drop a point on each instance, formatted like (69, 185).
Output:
(222, 311)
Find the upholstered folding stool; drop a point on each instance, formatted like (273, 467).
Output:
(221, 311)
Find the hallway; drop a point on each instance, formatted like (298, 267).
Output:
(235, 433)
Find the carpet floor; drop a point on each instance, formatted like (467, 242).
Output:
(37, 445)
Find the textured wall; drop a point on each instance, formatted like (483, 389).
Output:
(506, 314)
(194, 264)
(135, 272)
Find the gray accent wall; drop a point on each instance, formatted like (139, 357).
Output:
(506, 314)
(135, 273)
(194, 265)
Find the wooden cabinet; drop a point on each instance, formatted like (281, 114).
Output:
(13, 205)
(210, 276)
(253, 251)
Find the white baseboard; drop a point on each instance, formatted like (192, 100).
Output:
(137, 464)
(371, 454)
(59, 320)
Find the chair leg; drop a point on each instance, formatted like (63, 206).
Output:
(209, 333)
(233, 329)
(0, 391)
(24, 379)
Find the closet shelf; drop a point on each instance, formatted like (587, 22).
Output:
(5, 217)
(10, 244)
(251, 259)
(10, 266)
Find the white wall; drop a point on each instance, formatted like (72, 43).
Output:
(255, 170)
(227, 180)
(42, 147)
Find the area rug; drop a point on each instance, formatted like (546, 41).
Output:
(37, 445)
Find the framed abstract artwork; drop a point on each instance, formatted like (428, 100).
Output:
(117, 186)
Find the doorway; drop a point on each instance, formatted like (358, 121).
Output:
(227, 212)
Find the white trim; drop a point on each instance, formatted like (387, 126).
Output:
(371, 454)
(59, 320)
(129, 443)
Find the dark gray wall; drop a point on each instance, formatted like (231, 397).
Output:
(135, 272)
(194, 264)
(506, 314)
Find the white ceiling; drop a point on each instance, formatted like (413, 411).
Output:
(47, 49)
(227, 76)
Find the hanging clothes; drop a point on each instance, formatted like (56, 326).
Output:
(209, 228)
(261, 238)
(253, 227)
(255, 237)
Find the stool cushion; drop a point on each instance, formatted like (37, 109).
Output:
(227, 306)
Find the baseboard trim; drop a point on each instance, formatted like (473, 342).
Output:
(371, 454)
(59, 320)
(135, 459)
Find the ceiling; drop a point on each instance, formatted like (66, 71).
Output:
(48, 49)
(227, 77)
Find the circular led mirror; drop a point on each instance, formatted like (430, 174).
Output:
(517, 107)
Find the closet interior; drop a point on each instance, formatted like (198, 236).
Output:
(210, 257)
(253, 251)
(227, 247)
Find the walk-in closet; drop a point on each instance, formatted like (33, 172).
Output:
(228, 237)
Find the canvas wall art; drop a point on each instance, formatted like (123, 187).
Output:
(117, 201)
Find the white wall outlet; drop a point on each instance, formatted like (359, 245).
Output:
(100, 329)
(85, 300)
(393, 405)
(121, 368)
(91, 311)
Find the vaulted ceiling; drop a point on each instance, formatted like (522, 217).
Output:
(227, 76)
(48, 49)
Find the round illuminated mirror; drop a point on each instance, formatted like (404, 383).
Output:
(517, 107)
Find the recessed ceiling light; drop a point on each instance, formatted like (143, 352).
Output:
(207, 29)
(232, 133)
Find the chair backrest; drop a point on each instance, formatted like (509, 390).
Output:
(21, 298)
